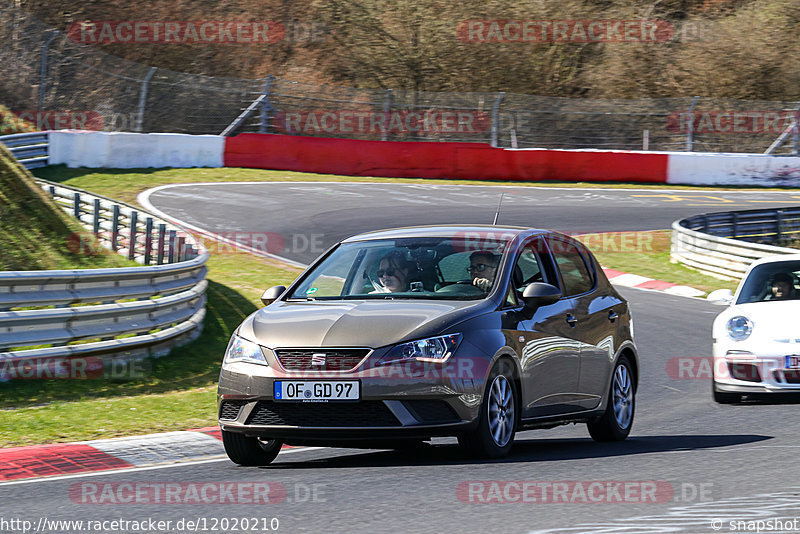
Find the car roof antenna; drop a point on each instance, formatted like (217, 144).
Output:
(497, 213)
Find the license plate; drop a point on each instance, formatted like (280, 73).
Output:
(793, 362)
(317, 390)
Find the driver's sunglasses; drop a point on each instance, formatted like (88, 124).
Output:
(479, 268)
(387, 272)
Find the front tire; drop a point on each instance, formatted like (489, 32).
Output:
(244, 450)
(497, 422)
(616, 422)
(723, 397)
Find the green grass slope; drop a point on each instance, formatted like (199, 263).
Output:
(34, 231)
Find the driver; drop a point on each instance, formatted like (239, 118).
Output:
(782, 287)
(483, 268)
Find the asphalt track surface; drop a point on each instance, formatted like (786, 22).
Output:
(723, 463)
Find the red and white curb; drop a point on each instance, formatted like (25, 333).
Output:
(104, 454)
(618, 278)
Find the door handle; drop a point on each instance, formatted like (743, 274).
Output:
(612, 316)
(572, 320)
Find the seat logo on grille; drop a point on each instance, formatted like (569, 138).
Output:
(318, 359)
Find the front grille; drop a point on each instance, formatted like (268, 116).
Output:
(432, 411)
(791, 376)
(230, 409)
(744, 371)
(335, 359)
(323, 414)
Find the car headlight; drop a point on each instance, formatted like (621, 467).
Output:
(739, 328)
(241, 350)
(433, 349)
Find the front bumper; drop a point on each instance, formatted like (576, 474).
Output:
(762, 372)
(394, 403)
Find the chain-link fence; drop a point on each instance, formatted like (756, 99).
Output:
(45, 72)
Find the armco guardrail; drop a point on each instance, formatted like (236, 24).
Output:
(124, 313)
(31, 149)
(725, 244)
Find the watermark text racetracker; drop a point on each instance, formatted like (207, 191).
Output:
(366, 122)
(580, 491)
(565, 31)
(203, 492)
(195, 32)
(72, 368)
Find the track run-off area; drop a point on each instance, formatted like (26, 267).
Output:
(690, 465)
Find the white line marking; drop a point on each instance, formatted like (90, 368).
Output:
(137, 469)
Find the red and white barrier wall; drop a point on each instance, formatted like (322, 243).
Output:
(466, 161)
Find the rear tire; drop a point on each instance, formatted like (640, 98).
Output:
(615, 424)
(497, 422)
(244, 450)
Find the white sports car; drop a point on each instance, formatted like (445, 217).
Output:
(757, 338)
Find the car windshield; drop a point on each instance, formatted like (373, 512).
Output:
(771, 281)
(411, 268)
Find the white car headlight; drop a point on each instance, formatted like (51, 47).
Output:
(739, 328)
(433, 349)
(241, 350)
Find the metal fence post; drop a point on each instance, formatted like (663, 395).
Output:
(387, 109)
(76, 207)
(96, 217)
(266, 106)
(43, 69)
(778, 224)
(496, 118)
(162, 236)
(171, 249)
(690, 125)
(114, 226)
(735, 224)
(143, 99)
(132, 242)
(148, 241)
(181, 245)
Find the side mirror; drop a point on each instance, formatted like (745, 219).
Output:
(540, 294)
(723, 297)
(272, 294)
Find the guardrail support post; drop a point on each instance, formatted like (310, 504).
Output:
(778, 224)
(171, 249)
(52, 191)
(96, 217)
(162, 237)
(148, 241)
(114, 226)
(735, 224)
(181, 249)
(76, 207)
(132, 242)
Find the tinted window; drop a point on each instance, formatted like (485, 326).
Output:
(764, 282)
(572, 265)
(528, 268)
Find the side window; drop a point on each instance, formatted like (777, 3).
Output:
(577, 276)
(528, 268)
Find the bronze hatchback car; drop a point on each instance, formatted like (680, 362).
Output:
(396, 336)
